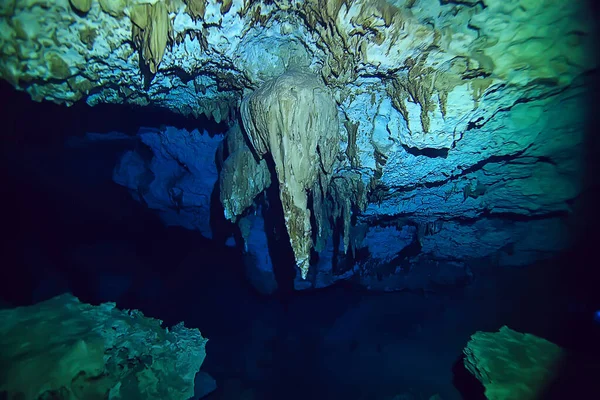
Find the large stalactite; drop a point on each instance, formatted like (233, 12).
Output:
(293, 119)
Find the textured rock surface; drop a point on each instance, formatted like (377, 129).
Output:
(177, 177)
(322, 273)
(69, 350)
(242, 178)
(513, 365)
(293, 119)
(415, 50)
(461, 122)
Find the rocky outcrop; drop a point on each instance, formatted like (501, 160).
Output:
(173, 171)
(461, 123)
(65, 349)
(513, 365)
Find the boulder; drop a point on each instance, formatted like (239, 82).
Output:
(64, 349)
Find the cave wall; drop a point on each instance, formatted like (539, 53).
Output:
(462, 124)
(173, 171)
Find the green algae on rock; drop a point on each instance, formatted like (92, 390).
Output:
(512, 365)
(66, 349)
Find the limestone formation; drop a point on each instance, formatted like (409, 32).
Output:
(152, 38)
(177, 179)
(453, 114)
(196, 8)
(242, 177)
(64, 349)
(513, 365)
(293, 120)
(349, 192)
(115, 8)
(82, 5)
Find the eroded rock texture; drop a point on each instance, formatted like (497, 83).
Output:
(173, 171)
(293, 119)
(513, 365)
(242, 177)
(64, 349)
(461, 122)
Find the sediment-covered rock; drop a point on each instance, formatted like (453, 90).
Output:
(64, 349)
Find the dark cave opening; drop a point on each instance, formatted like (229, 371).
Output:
(72, 229)
(44, 124)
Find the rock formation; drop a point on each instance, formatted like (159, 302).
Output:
(64, 349)
(293, 119)
(173, 171)
(461, 123)
(242, 178)
(513, 365)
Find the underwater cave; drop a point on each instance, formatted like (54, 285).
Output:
(299, 199)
